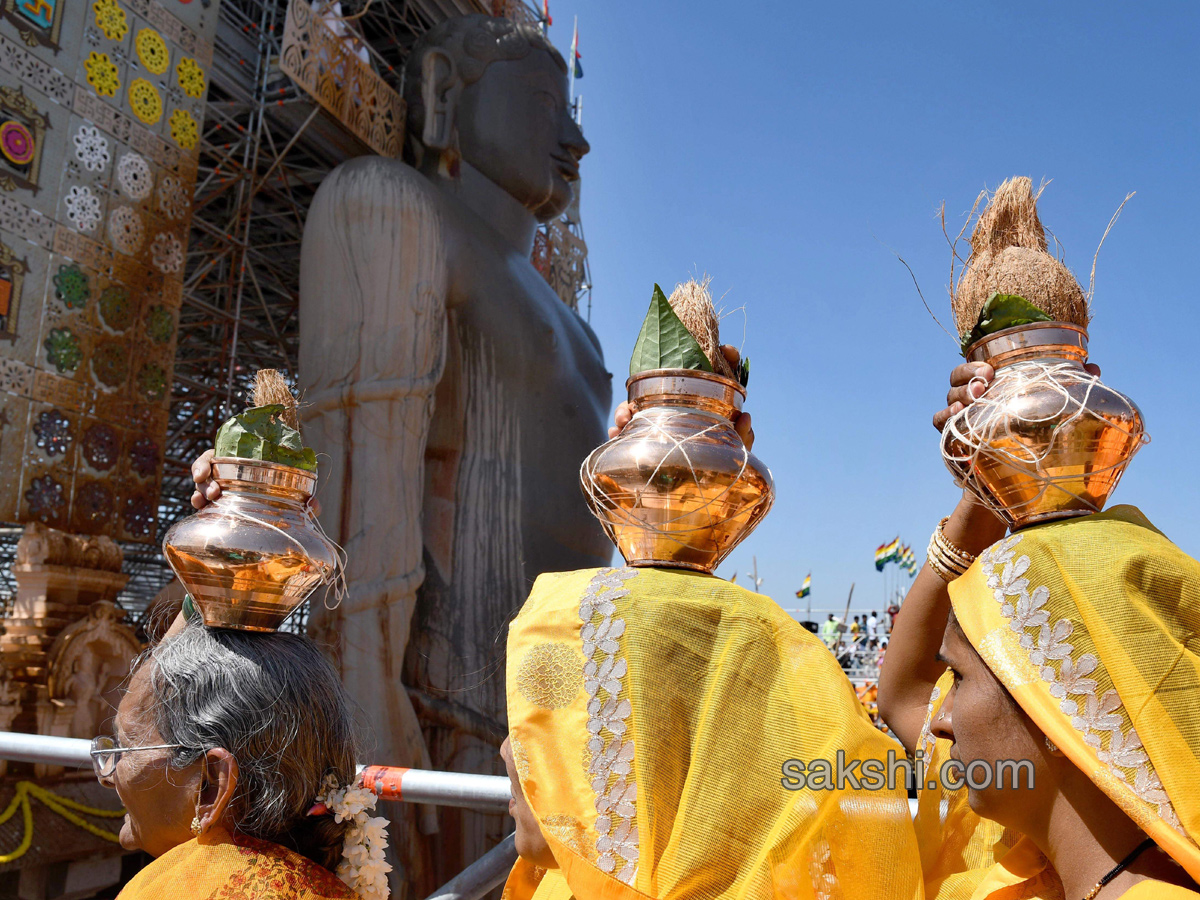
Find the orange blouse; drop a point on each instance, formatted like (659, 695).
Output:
(220, 866)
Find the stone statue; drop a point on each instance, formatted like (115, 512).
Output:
(454, 393)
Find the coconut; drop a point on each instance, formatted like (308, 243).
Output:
(1009, 256)
(693, 304)
(270, 389)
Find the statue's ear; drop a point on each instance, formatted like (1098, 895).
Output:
(440, 89)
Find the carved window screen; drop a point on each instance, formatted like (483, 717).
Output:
(325, 67)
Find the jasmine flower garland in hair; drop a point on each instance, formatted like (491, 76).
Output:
(363, 867)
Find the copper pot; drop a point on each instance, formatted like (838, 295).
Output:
(1047, 439)
(678, 487)
(253, 555)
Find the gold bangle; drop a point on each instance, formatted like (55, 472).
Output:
(947, 560)
(939, 568)
(945, 569)
(950, 549)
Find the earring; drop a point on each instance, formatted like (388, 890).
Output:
(197, 827)
(1051, 746)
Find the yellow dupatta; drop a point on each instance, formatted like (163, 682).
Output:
(217, 866)
(1091, 624)
(958, 848)
(650, 715)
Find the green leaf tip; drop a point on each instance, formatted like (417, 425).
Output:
(743, 371)
(260, 433)
(665, 342)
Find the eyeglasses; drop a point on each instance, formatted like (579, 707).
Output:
(106, 753)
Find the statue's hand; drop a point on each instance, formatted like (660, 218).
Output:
(968, 381)
(742, 422)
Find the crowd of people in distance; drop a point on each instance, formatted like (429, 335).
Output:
(859, 645)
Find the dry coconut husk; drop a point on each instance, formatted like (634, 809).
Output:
(1009, 256)
(694, 305)
(271, 390)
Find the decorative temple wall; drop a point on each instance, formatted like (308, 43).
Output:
(101, 105)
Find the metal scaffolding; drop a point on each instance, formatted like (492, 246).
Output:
(265, 148)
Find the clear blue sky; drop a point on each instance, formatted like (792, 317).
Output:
(771, 145)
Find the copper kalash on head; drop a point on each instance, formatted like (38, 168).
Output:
(252, 556)
(678, 488)
(1047, 439)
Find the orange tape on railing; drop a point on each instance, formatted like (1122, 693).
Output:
(383, 781)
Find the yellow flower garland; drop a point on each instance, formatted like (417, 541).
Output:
(60, 805)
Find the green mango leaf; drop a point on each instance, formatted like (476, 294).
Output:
(260, 433)
(1000, 312)
(743, 371)
(665, 342)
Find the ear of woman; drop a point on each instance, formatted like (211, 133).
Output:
(217, 789)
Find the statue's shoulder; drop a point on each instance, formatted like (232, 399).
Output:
(379, 169)
(381, 180)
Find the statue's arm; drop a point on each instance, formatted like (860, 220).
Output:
(373, 283)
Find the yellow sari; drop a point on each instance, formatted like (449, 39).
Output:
(651, 713)
(217, 866)
(958, 848)
(1091, 624)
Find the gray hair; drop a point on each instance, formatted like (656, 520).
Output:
(277, 705)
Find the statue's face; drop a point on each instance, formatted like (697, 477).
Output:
(515, 126)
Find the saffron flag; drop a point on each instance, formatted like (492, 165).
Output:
(806, 588)
(575, 54)
(886, 553)
(546, 13)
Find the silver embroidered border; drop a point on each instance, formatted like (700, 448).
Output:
(611, 754)
(1047, 644)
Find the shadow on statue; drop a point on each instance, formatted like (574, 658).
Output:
(456, 396)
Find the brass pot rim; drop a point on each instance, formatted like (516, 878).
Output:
(1020, 337)
(688, 383)
(261, 471)
(687, 373)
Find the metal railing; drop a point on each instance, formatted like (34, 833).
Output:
(487, 872)
(488, 793)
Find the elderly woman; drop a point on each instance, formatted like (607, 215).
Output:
(222, 743)
(1071, 648)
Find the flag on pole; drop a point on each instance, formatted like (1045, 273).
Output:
(575, 54)
(546, 13)
(886, 553)
(806, 588)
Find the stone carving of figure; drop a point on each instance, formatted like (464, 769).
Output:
(42, 545)
(88, 663)
(454, 393)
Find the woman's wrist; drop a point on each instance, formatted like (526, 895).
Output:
(973, 526)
